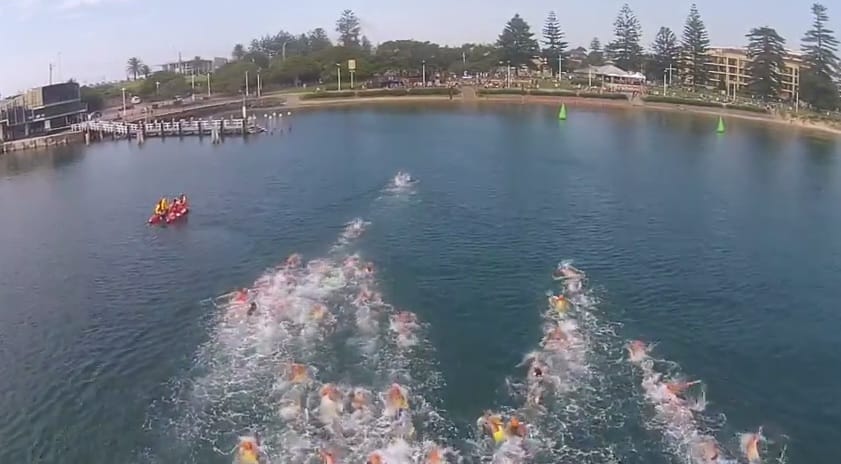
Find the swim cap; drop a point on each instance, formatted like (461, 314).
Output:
(515, 422)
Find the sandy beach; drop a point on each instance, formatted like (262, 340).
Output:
(297, 103)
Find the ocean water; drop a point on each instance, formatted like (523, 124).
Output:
(721, 250)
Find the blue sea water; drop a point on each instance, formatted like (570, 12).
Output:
(724, 250)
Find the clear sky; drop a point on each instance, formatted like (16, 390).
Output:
(90, 40)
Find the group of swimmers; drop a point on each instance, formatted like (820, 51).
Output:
(545, 368)
(676, 406)
(338, 407)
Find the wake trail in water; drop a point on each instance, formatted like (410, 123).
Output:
(275, 363)
(688, 428)
(569, 410)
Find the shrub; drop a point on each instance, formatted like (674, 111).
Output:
(500, 92)
(752, 109)
(315, 95)
(382, 93)
(605, 96)
(433, 91)
(552, 93)
(681, 101)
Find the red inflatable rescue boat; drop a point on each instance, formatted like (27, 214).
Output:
(169, 217)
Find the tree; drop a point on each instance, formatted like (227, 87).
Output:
(318, 40)
(596, 56)
(695, 44)
(146, 71)
(92, 98)
(134, 66)
(367, 48)
(553, 40)
(238, 52)
(821, 68)
(517, 43)
(295, 70)
(666, 52)
(765, 52)
(348, 28)
(625, 50)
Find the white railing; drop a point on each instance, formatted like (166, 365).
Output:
(162, 128)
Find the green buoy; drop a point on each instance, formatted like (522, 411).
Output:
(720, 128)
(562, 113)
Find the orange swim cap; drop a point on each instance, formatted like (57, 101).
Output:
(515, 422)
(248, 445)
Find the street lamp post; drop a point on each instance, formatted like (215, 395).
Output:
(509, 74)
(157, 87)
(246, 83)
(124, 102)
(193, 86)
(283, 52)
(208, 83)
(339, 76)
(560, 69)
(670, 69)
(423, 72)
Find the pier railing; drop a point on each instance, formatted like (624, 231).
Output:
(163, 128)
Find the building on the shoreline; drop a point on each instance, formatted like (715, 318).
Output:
(196, 65)
(41, 111)
(612, 77)
(728, 71)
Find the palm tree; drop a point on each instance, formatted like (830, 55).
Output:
(239, 52)
(134, 66)
(145, 70)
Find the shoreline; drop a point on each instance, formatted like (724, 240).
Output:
(579, 102)
(294, 102)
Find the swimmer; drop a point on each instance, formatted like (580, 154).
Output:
(248, 450)
(397, 399)
(406, 318)
(537, 368)
(298, 373)
(240, 296)
(369, 268)
(573, 286)
(327, 457)
(374, 458)
(555, 339)
(318, 312)
(330, 392)
(358, 399)
(434, 456)
(679, 388)
(559, 304)
(492, 425)
(750, 446)
(567, 271)
(637, 351)
(331, 405)
(252, 309)
(705, 450)
(294, 260)
(515, 428)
